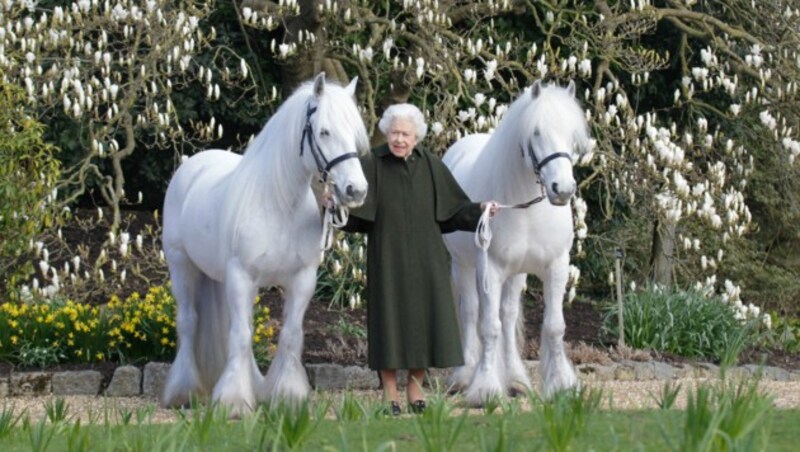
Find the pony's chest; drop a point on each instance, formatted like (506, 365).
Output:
(280, 248)
(529, 239)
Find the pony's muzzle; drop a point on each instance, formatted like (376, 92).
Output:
(560, 194)
(352, 195)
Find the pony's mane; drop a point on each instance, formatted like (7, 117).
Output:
(554, 110)
(271, 170)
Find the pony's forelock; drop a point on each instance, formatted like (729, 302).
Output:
(554, 109)
(336, 106)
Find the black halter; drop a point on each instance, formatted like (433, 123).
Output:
(323, 164)
(537, 165)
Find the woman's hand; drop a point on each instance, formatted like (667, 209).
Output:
(493, 207)
(327, 199)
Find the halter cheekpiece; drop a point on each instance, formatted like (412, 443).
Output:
(323, 164)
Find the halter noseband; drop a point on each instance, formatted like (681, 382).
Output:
(537, 165)
(323, 164)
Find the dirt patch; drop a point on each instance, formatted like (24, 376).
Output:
(329, 336)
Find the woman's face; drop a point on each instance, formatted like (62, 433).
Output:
(402, 137)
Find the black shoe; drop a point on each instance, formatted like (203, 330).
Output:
(417, 406)
(395, 408)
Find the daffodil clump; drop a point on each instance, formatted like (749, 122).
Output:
(131, 330)
(60, 331)
(142, 327)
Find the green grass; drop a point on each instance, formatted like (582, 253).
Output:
(603, 430)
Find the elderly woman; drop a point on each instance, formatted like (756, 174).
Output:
(412, 200)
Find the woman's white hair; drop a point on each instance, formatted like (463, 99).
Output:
(403, 111)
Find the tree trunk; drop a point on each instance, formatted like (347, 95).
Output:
(662, 257)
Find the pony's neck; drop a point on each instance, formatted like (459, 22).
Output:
(508, 172)
(274, 163)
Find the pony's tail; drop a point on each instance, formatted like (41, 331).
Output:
(211, 336)
(520, 326)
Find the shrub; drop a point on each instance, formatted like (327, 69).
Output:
(28, 174)
(342, 274)
(685, 323)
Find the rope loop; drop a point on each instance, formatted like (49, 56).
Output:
(335, 216)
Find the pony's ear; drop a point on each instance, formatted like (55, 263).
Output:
(351, 87)
(571, 88)
(319, 84)
(536, 89)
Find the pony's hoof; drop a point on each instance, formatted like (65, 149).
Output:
(517, 389)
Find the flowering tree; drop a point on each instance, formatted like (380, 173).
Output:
(692, 104)
(111, 70)
(686, 99)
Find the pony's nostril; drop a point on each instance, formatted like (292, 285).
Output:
(351, 192)
(555, 187)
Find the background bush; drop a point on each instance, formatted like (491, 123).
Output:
(28, 174)
(686, 323)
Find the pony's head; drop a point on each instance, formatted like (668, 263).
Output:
(552, 128)
(333, 137)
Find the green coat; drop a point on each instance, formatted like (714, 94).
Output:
(411, 316)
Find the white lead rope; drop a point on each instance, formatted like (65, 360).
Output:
(483, 234)
(483, 238)
(334, 217)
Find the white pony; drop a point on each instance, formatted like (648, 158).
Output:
(235, 223)
(530, 153)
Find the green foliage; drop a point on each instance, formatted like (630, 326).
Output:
(687, 323)
(7, 421)
(350, 408)
(342, 275)
(784, 334)
(56, 410)
(668, 396)
(437, 428)
(347, 329)
(39, 435)
(565, 415)
(293, 424)
(28, 174)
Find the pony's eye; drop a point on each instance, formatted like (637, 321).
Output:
(536, 133)
(324, 133)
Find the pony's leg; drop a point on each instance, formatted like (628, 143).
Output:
(466, 295)
(286, 379)
(487, 381)
(555, 368)
(234, 390)
(183, 381)
(517, 379)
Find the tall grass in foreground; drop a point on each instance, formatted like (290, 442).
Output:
(724, 417)
(731, 416)
(564, 416)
